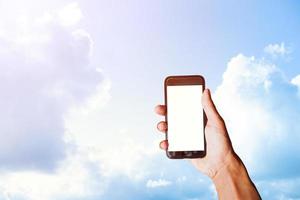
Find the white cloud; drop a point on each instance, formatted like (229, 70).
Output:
(70, 14)
(181, 179)
(277, 49)
(261, 109)
(58, 101)
(116, 150)
(45, 69)
(57, 98)
(77, 176)
(296, 81)
(281, 189)
(158, 183)
(72, 179)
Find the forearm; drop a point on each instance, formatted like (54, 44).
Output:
(233, 182)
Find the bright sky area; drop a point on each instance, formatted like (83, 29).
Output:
(79, 81)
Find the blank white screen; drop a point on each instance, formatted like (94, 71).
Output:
(185, 118)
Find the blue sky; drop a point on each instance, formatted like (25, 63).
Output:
(79, 81)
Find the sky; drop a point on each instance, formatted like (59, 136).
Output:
(79, 81)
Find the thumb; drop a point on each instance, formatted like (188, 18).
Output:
(210, 108)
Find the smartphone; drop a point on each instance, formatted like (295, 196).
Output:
(185, 116)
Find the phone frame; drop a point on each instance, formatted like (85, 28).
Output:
(185, 80)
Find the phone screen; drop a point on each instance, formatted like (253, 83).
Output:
(185, 118)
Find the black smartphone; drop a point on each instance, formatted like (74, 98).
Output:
(185, 116)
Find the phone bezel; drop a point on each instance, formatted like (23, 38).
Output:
(184, 80)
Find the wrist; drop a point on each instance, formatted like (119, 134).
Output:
(233, 182)
(232, 166)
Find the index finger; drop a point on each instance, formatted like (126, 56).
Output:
(161, 110)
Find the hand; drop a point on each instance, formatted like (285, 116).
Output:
(219, 149)
(220, 163)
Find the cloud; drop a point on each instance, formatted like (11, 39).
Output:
(70, 14)
(45, 73)
(284, 189)
(57, 99)
(277, 49)
(158, 183)
(256, 100)
(56, 105)
(257, 103)
(73, 179)
(296, 81)
(45, 70)
(260, 107)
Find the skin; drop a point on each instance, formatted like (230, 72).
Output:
(221, 163)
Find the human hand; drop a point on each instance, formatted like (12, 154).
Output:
(220, 163)
(219, 149)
